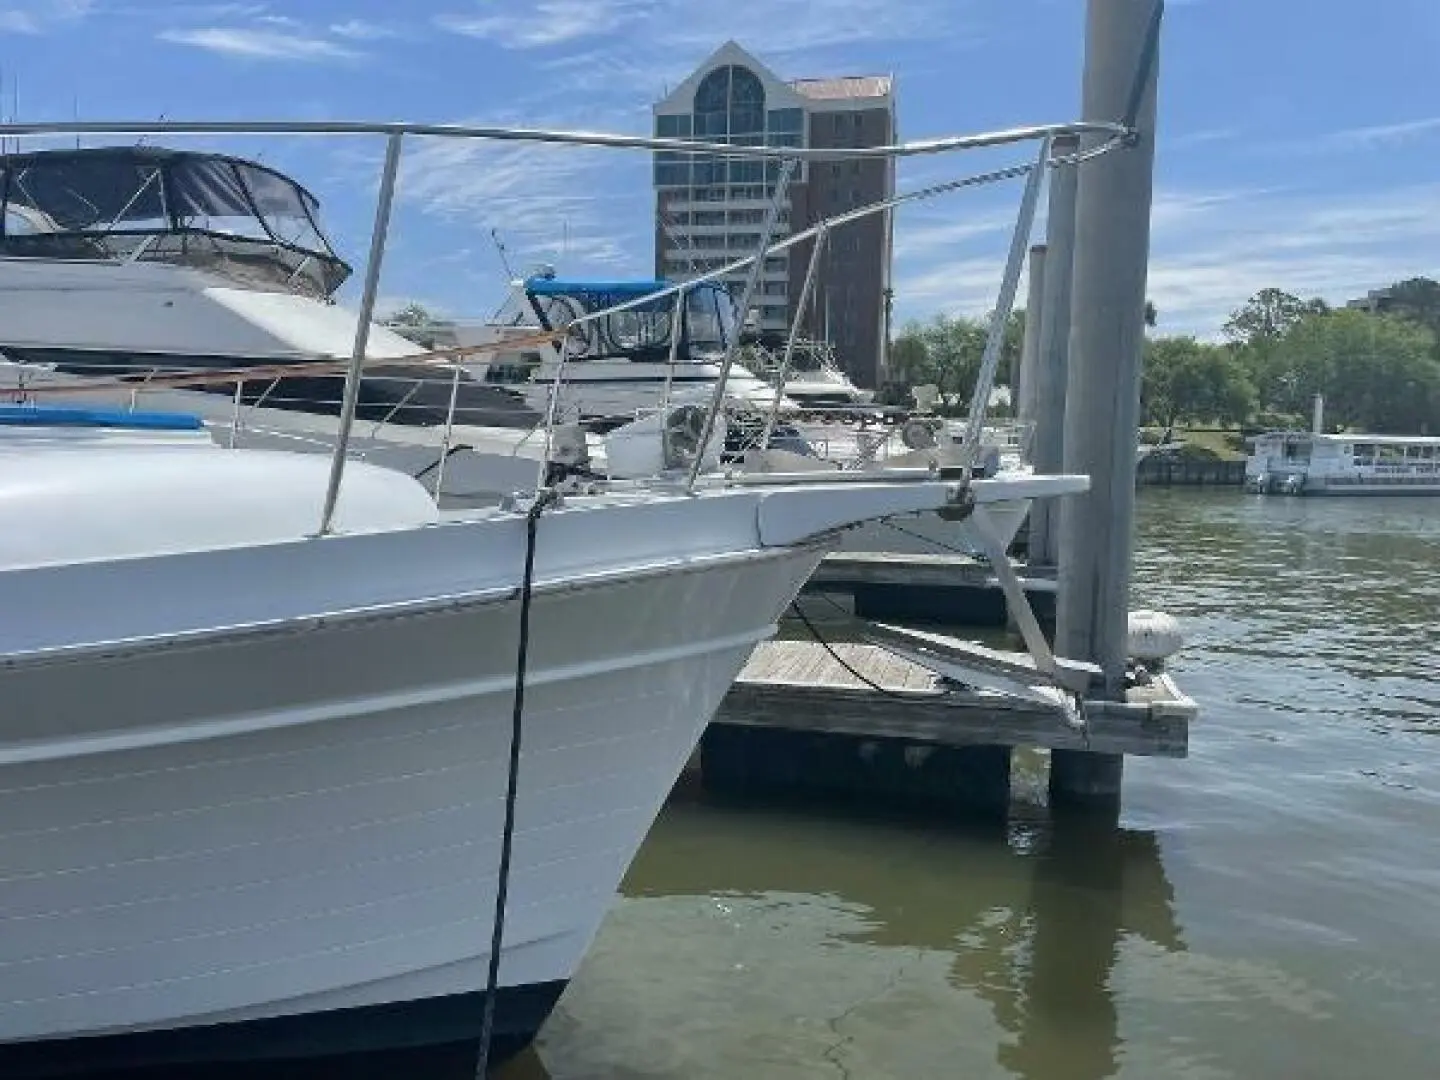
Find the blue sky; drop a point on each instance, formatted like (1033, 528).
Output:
(1299, 139)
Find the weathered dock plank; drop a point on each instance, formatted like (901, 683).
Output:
(800, 686)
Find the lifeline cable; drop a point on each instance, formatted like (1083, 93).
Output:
(543, 499)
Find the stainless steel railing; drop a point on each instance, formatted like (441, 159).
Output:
(1102, 138)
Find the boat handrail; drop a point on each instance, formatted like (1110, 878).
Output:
(1103, 136)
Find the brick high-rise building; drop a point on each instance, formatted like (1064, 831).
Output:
(709, 211)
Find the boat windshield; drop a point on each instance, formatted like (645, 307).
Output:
(637, 333)
(210, 211)
(710, 319)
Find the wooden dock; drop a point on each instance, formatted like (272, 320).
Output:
(799, 686)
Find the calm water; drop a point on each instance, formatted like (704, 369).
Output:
(1269, 907)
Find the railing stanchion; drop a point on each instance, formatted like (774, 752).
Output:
(552, 411)
(752, 282)
(677, 327)
(446, 442)
(353, 376)
(235, 412)
(784, 373)
(1009, 284)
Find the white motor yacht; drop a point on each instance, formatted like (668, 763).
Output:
(139, 261)
(618, 365)
(253, 771)
(287, 743)
(813, 379)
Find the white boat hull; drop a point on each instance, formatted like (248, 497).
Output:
(620, 389)
(348, 858)
(931, 534)
(163, 310)
(265, 782)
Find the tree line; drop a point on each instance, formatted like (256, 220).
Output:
(1379, 369)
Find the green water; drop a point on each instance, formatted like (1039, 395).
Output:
(1269, 907)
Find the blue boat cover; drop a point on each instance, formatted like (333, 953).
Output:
(603, 294)
(545, 286)
(66, 416)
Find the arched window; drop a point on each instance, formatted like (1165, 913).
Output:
(730, 101)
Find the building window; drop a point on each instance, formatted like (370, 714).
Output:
(672, 127)
(709, 170)
(747, 172)
(787, 120)
(671, 170)
(775, 263)
(730, 101)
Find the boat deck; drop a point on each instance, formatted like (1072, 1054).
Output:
(802, 686)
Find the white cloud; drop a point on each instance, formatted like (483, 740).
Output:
(547, 22)
(663, 32)
(260, 44)
(917, 236)
(360, 30)
(1365, 138)
(540, 198)
(37, 16)
(1210, 251)
(792, 27)
(1202, 137)
(18, 22)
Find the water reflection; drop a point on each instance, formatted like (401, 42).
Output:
(1091, 885)
(883, 928)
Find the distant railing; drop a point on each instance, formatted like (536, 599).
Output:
(1103, 137)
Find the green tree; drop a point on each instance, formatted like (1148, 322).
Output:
(412, 314)
(1267, 315)
(1188, 380)
(1417, 299)
(1378, 372)
(954, 345)
(945, 351)
(414, 321)
(909, 358)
